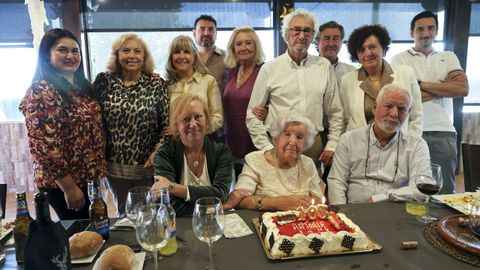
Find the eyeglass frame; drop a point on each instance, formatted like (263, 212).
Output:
(368, 158)
(307, 32)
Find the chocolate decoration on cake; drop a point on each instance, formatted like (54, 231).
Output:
(316, 245)
(348, 242)
(287, 246)
(271, 240)
(263, 230)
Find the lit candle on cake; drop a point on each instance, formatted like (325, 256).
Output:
(312, 211)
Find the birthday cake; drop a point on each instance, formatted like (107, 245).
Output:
(300, 233)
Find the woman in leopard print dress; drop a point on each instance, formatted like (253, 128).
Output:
(135, 108)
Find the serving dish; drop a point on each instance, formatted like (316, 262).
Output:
(458, 235)
(458, 201)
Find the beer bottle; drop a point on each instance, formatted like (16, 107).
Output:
(171, 246)
(21, 225)
(42, 210)
(98, 211)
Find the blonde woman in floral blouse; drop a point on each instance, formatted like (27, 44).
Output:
(64, 126)
(135, 109)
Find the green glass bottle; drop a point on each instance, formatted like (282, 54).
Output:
(22, 223)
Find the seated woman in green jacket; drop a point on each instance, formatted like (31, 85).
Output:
(192, 165)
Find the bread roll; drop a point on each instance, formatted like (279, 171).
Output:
(117, 257)
(84, 244)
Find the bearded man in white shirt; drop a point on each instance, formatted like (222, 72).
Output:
(301, 82)
(379, 162)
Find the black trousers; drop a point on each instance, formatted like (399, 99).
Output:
(58, 203)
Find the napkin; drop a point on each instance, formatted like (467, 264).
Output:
(235, 226)
(124, 222)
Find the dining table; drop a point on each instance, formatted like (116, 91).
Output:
(386, 222)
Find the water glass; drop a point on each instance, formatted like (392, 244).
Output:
(136, 198)
(208, 223)
(152, 229)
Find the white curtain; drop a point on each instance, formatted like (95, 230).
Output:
(38, 19)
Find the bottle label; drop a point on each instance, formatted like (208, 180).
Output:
(101, 226)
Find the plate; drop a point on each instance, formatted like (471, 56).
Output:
(6, 232)
(137, 266)
(457, 235)
(87, 259)
(459, 201)
(374, 246)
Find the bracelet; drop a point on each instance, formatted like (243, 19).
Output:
(259, 203)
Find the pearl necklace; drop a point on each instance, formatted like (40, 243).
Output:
(279, 175)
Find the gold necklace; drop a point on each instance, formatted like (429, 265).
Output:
(279, 175)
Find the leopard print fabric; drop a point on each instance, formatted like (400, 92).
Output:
(134, 116)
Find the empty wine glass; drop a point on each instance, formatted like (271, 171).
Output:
(136, 198)
(103, 189)
(208, 223)
(152, 229)
(429, 184)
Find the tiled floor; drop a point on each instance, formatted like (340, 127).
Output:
(11, 205)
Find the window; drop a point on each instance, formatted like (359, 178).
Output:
(159, 22)
(17, 53)
(473, 55)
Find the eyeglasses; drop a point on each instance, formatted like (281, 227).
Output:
(368, 157)
(307, 32)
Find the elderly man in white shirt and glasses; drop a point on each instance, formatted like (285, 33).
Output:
(301, 82)
(379, 162)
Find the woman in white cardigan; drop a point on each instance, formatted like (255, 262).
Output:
(368, 45)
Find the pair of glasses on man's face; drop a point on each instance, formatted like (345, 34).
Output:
(307, 32)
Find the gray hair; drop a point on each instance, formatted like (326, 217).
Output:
(298, 13)
(282, 120)
(390, 88)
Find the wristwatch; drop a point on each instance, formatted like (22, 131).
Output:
(171, 185)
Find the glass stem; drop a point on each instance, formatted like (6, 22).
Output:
(210, 256)
(427, 207)
(155, 260)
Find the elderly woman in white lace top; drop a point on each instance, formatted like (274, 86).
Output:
(280, 178)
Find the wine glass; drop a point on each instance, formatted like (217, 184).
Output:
(474, 218)
(152, 228)
(429, 184)
(208, 223)
(136, 198)
(103, 189)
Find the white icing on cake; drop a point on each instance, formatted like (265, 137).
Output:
(332, 242)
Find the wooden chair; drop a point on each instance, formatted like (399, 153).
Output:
(471, 166)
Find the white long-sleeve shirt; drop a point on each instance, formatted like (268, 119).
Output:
(309, 88)
(350, 181)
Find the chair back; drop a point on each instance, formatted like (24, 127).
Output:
(3, 198)
(471, 166)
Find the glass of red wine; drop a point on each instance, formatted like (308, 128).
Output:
(429, 184)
